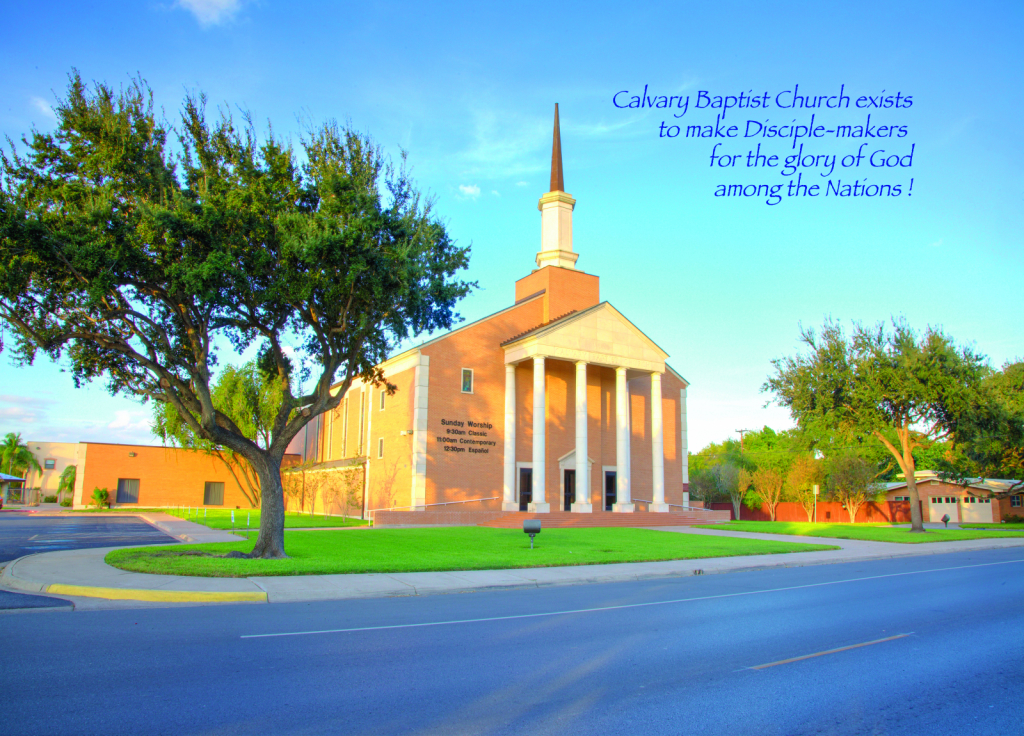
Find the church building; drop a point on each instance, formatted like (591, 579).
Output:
(558, 403)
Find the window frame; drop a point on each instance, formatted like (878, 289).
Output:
(383, 393)
(380, 448)
(49, 464)
(206, 492)
(472, 381)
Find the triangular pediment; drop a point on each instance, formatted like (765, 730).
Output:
(599, 335)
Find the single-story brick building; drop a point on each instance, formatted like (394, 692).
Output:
(984, 500)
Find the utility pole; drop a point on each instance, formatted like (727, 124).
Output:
(741, 433)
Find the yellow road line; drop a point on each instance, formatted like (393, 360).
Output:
(830, 651)
(161, 596)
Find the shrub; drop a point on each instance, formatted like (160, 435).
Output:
(1013, 519)
(49, 499)
(101, 497)
(66, 502)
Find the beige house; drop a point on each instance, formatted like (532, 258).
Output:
(53, 458)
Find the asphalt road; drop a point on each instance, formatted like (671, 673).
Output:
(25, 534)
(657, 657)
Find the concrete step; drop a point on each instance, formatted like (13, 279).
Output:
(565, 519)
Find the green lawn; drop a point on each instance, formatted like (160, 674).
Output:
(453, 548)
(979, 525)
(221, 518)
(869, 532)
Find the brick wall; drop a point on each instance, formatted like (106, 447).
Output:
(828, 511)
(167, 476)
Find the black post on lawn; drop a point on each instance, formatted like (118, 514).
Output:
(531, 527)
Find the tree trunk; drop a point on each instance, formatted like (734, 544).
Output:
(270, 542)
(737, 504)
(916, 522)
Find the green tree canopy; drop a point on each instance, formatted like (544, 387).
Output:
(148, 262)
(991, 443)
(250, 398)
(895, 387)
(15, 457)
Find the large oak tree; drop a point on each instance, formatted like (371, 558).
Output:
(893, 386)
(148, 254)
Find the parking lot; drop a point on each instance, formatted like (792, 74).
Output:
(24, 533)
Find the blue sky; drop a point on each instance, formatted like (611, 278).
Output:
(720, 283)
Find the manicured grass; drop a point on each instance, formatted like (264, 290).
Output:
(221, 519)
(869, 532)
(453, 548)
(980, 525)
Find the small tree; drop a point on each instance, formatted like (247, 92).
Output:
(727, 478)
(67, 481)
(803, 475)
(898, 388)
(768, 484)
(330, 490)
(352, 490)
(704, 486)
(851, 482)
(744, 479)
(100, 497)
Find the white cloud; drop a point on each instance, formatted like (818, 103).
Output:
(472, 191)
(495, 192)
(211, 12)
(937, 243)
(522, 183)
(44, 107)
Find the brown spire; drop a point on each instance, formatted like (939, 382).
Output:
(557, 184)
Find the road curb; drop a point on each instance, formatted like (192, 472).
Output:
(156, 596)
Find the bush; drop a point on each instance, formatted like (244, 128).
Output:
(66, 502)
(1012, 519)
(101, 497)
(49, 499)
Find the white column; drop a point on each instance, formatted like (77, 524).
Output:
(622, 497)
(582, 503)
(683, 447)
(508, 500)
(538, 504)
(657, 447)
(420, 404)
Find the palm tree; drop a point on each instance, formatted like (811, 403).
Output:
(15, 457)
(67, 481)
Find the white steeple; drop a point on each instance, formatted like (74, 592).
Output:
(556, 214)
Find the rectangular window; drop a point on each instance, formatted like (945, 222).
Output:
(1016, 501)
(344, 428)
(467, 380)
(213, 495)
(49, 464)
(127, 490)
(380, 447)
(362, 421)
(382, 394)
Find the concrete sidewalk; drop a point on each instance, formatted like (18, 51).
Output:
(89, 582)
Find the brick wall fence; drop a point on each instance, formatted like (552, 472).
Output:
(828, 511)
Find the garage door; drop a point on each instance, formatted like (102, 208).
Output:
(977, 509)
(939, 506)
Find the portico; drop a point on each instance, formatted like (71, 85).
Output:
(599, 337)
